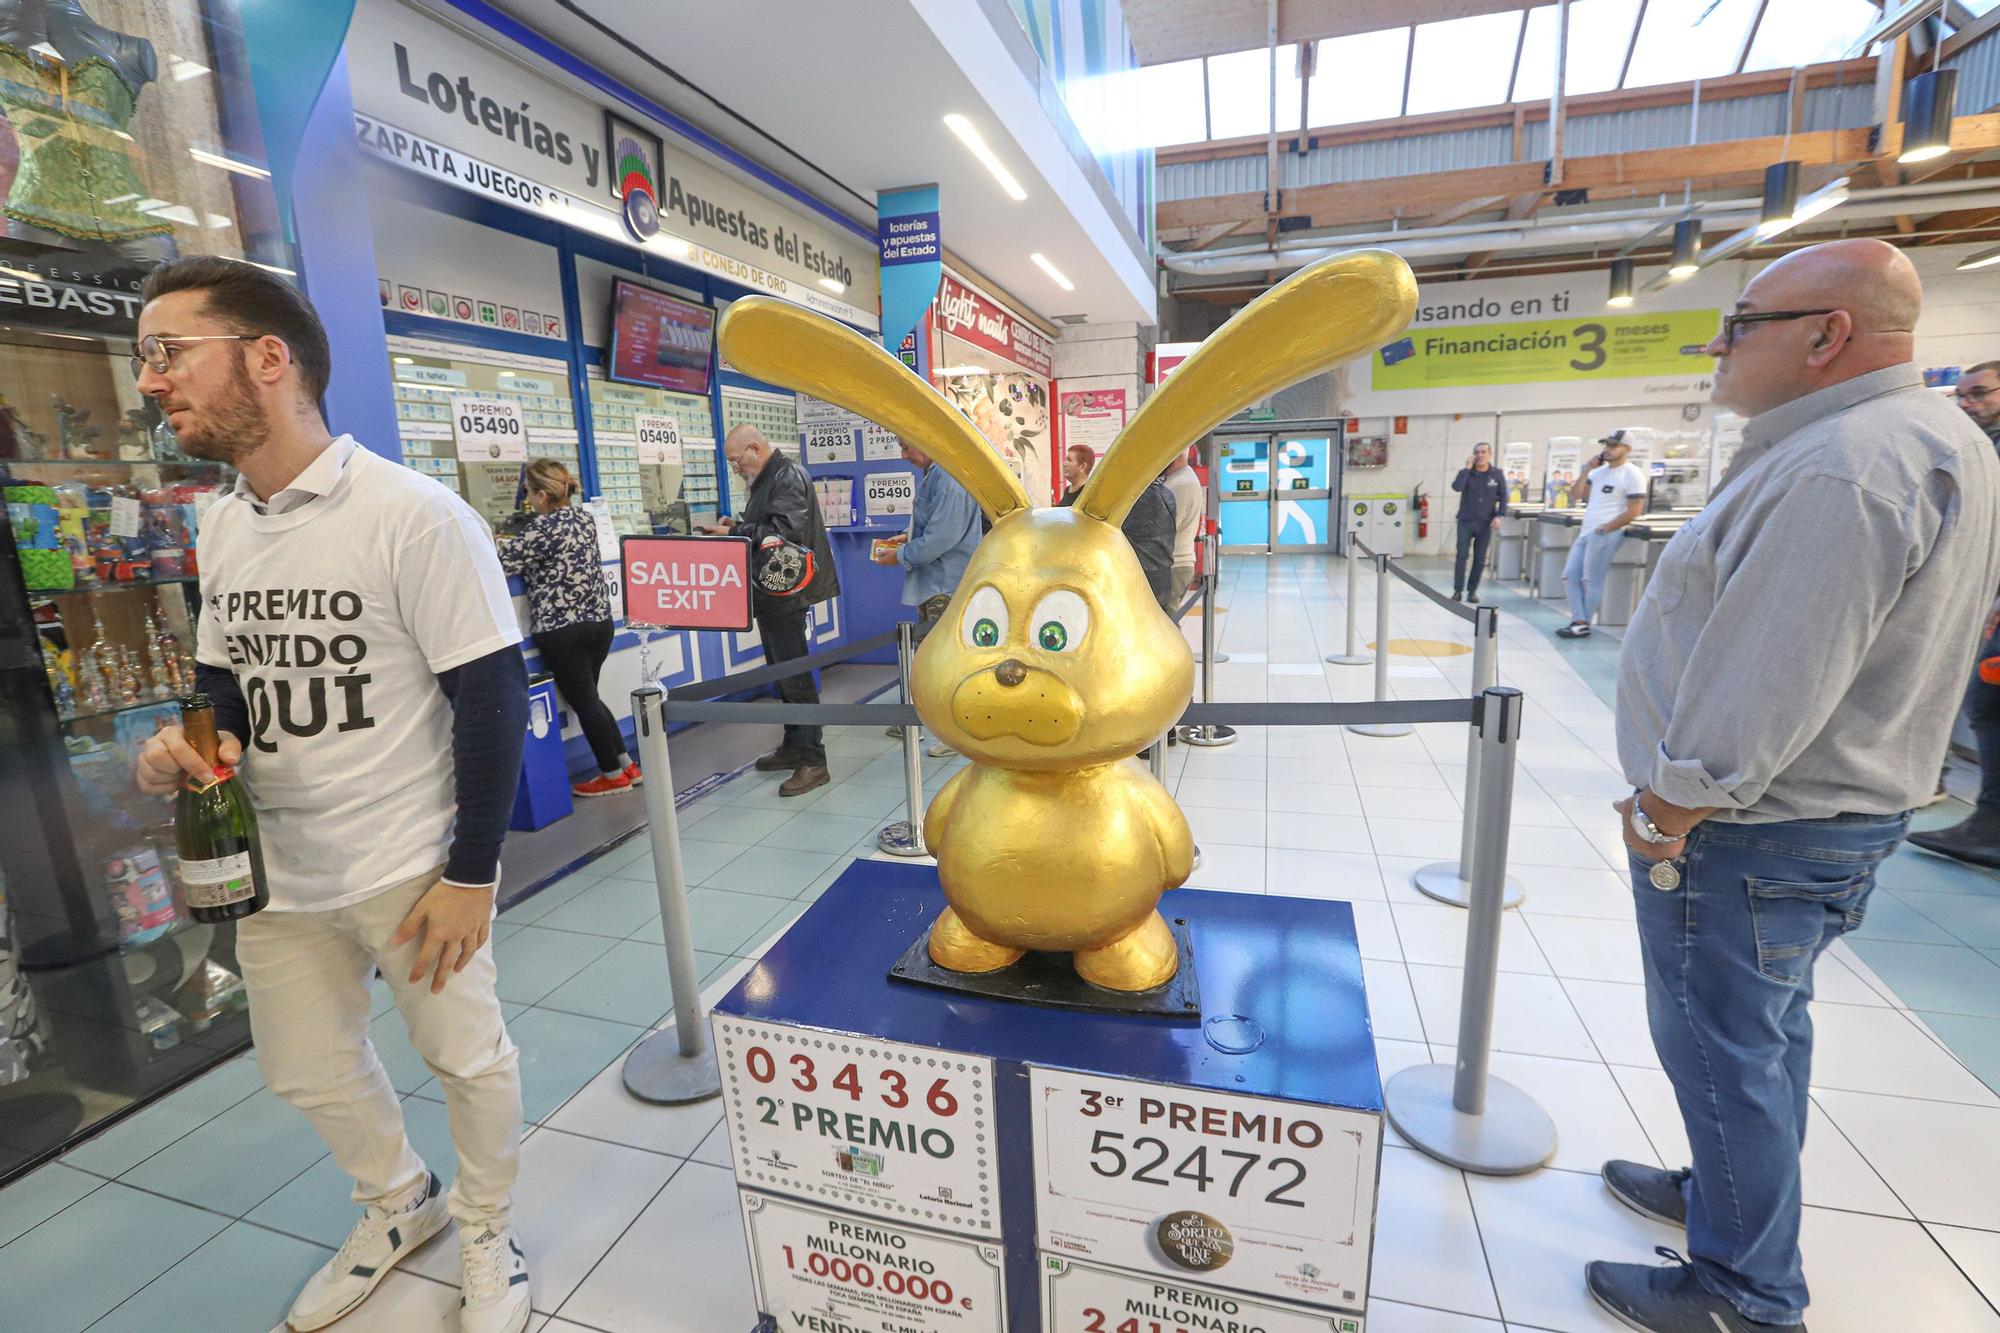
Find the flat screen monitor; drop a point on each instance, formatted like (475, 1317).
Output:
(658, 340)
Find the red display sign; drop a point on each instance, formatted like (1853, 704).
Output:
(964, 313)
(659, 341)
(686, 582)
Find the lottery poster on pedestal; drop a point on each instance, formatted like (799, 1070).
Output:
(818, 1268)
(899, 1132)
(1254, 1195)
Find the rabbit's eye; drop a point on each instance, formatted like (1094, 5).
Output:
(985, 618)
(1061, 619)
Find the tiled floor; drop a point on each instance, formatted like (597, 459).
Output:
(207, 1210)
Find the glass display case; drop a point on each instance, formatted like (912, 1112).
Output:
(128, 137)
(647, 496)
(433, 378)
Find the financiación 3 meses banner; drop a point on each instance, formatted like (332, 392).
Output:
(1516, 344)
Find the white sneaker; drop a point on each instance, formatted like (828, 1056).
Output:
(379, 1242)
(493, 1281)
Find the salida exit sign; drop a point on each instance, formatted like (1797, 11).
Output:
(687, 582)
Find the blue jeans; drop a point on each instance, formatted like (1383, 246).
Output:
(1589, 564)
(1729, 957)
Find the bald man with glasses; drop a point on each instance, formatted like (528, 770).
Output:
(1785, 692)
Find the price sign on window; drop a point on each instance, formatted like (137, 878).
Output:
(1275, 1198)
(659, 437)
(487, 430)
(829, 442)
(902, 1132)
(814, 1268)
(886, 494)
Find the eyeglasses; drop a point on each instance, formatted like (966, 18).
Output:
(1973, 394)
(1733, 325)
(158, 352)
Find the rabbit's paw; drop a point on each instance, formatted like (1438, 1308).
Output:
(955, 948)
(1142, 959)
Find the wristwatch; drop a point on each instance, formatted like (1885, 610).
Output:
(1645, 828)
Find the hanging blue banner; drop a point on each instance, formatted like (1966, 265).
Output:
(292, 45)
(912, 257)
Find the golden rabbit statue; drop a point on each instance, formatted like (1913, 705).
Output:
(1053, 665)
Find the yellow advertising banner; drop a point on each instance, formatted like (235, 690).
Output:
(1546, 350)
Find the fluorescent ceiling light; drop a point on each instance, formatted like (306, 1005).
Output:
(1823, 200)
(969, 135)
(229, 163)
(1055, 274)
(184, 69)
(834, 285)
(1977, 259)
(273, 268)
(180, 213)
(962, 370)
(121, 199)
(216, 222)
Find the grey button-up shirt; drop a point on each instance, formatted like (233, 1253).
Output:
(1804, 644)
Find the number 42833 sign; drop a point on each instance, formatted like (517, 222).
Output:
(903, 1132)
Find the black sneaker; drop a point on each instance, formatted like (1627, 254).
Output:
(1472, 597)
(1649, 1191)
(1576, 629)
(1667, 1299)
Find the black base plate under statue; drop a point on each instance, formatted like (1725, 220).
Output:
(1048, 979)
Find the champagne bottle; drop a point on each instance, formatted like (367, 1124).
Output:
(222, 864)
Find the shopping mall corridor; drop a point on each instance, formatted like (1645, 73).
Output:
(215, 1203)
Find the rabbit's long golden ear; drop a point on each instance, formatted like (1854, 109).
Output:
(1317, 318)
(786, 344)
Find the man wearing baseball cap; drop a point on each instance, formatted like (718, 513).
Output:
(1613, 493)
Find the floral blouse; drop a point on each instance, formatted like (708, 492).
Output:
(556, 555)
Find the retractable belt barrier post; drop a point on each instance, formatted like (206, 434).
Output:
(1446, 881)
(1463, 1115)
(1212, 734)
(1353, 656)
(674, 1067)
(905, 837)
(1381, 655)
(1211, 572)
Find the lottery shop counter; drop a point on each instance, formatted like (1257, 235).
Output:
(912, 1159)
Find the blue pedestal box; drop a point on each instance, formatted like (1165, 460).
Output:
(913, 1160)
(542, 795)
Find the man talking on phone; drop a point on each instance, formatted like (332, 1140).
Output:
(363, 654)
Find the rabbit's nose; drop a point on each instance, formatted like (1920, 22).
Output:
(1010, 673)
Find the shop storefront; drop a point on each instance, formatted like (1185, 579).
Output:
(128, 136)
(545, 239)
(994, 365)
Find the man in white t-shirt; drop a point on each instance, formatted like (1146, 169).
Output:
(362, 653)
(1613, 493)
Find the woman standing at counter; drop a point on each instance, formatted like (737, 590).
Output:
(570, 611)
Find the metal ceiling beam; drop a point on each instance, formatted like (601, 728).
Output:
(1750, 36)
(1631, 45)
(1169, 30)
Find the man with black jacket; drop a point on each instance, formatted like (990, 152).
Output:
(781, 504)
(1482, 503)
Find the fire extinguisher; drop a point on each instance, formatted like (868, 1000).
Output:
(1423, 507)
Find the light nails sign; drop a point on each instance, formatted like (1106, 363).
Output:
(965, 314)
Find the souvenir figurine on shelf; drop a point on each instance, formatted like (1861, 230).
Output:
(129, 686)
(59, 683)
(90, 686)
(1054, 666)
(167, 652)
